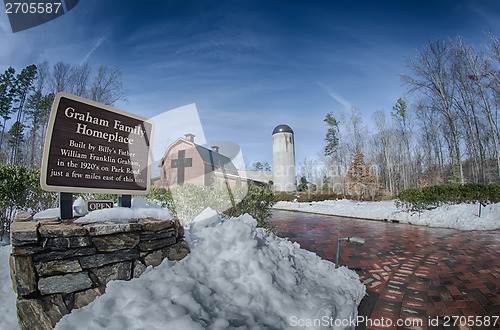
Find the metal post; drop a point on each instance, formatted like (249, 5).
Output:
(66, 205)
(338, 251)
(355, 240)
(124, 200)
(479, 201)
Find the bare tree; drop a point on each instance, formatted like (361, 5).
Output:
(107, 87)
(354, 128)
(80, 79)
(307, 169)
(61, 77)
(385, 141)
(431, 76)
(43, 77)
(477, 70)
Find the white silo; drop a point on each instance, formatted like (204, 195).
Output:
(284, 158)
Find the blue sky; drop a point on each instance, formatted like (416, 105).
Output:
(252, 65)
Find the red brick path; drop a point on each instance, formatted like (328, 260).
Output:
(409, 271)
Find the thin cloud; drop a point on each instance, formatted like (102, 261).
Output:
(97, 44)
(347, 105)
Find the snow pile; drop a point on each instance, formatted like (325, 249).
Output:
(8, 318)
(207, 217)
(343, 207)
(54, 213)
(235, 277)
(461, 216)
(138, 210)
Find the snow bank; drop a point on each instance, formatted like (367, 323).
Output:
(8, 318)
(138, 210)
(461, 216)
(235, 277)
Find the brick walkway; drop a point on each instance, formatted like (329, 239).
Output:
(409, 271)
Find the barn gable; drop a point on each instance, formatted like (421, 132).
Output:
(187, 162)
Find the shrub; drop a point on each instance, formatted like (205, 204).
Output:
(304, 196)
(189, 200)
(418, 199)
(162, 197)
(20, 190)
(95, 196)
(257, 203)
(285, 196)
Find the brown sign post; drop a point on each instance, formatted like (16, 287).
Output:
(91, 147)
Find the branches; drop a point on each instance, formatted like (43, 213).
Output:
(107, 87)
(31, 92)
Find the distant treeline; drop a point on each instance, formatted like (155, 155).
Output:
(445, 131)
(26, 98)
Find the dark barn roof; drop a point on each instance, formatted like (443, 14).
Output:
(215, 159)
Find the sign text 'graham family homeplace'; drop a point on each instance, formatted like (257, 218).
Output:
(90, 147)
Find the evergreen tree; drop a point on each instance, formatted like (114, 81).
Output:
(303, 185)
(37, 110)
(7, 81)
(16, 139)
(258, 166)
(326, 183)
(332, 135)
(402, 116)
(24, 84)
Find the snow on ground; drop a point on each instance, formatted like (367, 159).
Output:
(236, 277)
(460, 216)
(8, 319)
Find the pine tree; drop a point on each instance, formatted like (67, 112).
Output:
(332, 133)
(24, 84)
(7, 80)
(326, 183)
(304, 185)
(258, 166)
(37, 109)
(16, 139)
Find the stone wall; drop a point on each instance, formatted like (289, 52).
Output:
(57, 266)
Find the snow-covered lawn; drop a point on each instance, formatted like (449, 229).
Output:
(8, 318)
(460, 216)
(236, 276)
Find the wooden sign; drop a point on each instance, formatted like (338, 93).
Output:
(91, 147)
(93, 205)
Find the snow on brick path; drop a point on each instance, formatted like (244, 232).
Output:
(461, 216)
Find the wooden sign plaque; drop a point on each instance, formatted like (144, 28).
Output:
(91, 147)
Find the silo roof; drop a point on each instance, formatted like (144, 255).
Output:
(282, 129)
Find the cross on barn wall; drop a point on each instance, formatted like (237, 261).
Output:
(180, 164)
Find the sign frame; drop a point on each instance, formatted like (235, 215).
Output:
(110, 111)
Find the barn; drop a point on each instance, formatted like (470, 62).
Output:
(185, 161)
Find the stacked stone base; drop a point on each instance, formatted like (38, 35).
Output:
(57, 266)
